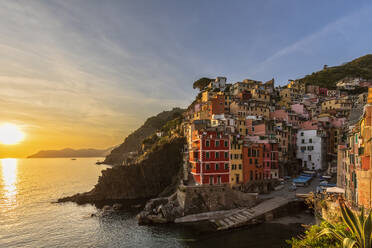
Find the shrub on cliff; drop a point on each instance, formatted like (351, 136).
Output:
(311, 239)
(358, 232)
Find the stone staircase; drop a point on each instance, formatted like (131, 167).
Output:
(238, 217)
(235, 219)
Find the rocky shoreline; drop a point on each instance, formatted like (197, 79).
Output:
(157, 174)
(189, 200)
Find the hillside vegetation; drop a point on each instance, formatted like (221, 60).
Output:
(134, 141)
(360, 67)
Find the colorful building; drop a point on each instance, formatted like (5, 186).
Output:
(209, 157)
(252, 162)
(236, 161)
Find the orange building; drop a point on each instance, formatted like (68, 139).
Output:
(252, 162)
(217, 105)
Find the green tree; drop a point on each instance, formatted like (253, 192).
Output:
(201, 83)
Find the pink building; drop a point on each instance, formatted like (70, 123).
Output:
(283, 115)
(300, 110)
(309, 125)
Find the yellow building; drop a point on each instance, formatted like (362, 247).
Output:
(337, 104)
(208, 95)
(297, 86)
(260, 95)
(240, 125)
(228, 100)
(287, 95)
(252, 109)
(236, 162)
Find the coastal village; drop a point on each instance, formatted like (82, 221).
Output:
(250, 134)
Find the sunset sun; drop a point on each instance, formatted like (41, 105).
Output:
(10, 134)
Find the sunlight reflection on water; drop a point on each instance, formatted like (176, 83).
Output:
(9, 178)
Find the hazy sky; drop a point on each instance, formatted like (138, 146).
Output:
(86, 73)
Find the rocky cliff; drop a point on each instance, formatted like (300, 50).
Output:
(133, 142)
(157, 172)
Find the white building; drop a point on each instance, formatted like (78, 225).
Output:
(218, 83)
(224, 120)
(349, 83)
(311, 149)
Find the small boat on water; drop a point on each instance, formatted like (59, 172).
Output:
(73, 159)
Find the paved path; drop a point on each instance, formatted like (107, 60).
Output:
(238, 217)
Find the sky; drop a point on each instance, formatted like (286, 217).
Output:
(86, 73)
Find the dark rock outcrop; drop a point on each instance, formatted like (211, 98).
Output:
(190, 200)
(156, 172)
(134, 141)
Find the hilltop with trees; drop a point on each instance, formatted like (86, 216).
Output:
(328, 77)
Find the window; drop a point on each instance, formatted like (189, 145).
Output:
(217, 166)
(211, 180)
(253, 153)
(250, 161)
(251, 175)
(310, 140)
(226, 166)
(207, 143)
(207, 154)
(240, 166)
(217, 155)
(217, 143)
(227, 155)
(302, 141)
(309, 157)
(207, 167)
(249, 152)
(226, 143)
(255, 162)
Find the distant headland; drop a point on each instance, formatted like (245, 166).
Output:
(72, 153)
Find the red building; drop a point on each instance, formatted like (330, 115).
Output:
(270, 160)
(209, 157)
(260, 161)
(323, 91)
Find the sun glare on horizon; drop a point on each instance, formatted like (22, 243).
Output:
(10, 134)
